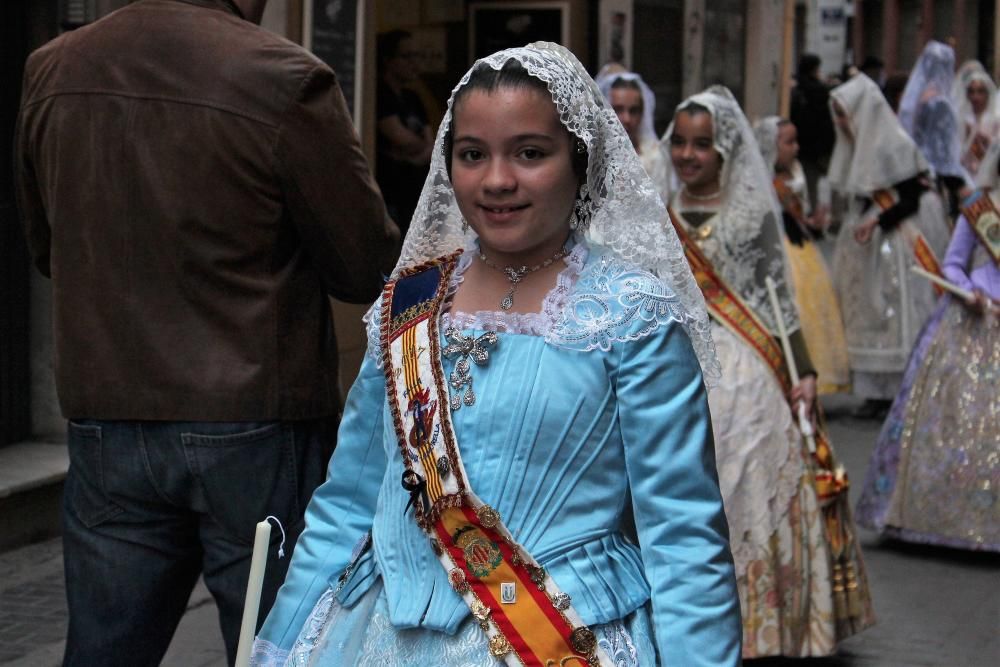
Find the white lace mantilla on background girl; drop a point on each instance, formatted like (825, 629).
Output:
(927, 113)
(975, 127)
(653, 159)
(747, 246)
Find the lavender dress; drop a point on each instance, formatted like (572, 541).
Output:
(934, 477)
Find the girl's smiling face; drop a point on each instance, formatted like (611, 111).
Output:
(692, 151)
(512, 171)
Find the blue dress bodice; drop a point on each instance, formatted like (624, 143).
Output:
(601, 463)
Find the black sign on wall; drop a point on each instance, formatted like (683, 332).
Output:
(334, 40)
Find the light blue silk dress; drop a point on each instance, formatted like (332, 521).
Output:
(590, 424)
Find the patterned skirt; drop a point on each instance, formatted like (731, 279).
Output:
(363, 636)
(934, 477)
(784, 563)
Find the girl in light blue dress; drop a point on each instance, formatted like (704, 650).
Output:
(576, 373)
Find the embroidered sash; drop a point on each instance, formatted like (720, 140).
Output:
(922, 251)
(528, 620)
(790, 202)
(984, 219)
(728, 308)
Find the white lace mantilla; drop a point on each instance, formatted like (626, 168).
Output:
(881, 153)
(592, 306)
(618, 208)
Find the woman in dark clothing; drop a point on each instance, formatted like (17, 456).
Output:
(405, 140)
(810, 113)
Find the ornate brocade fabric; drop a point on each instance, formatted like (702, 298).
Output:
(935, 473)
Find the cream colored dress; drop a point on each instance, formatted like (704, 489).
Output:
(882, 302)
(783, 561)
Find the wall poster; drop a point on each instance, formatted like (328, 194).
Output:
(500, 25)
(334, 34)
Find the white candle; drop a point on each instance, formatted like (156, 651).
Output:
(258, 562)
(941, 282)
(805, 426)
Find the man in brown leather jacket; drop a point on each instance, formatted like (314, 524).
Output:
(195, 189)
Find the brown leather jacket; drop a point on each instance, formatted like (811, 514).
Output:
(194, 187)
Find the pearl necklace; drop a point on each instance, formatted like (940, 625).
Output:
(516, 275)
(709, 197)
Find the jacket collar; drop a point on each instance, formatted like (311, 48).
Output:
(225, 5)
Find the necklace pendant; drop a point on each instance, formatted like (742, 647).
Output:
(508, 301)
(514, 275)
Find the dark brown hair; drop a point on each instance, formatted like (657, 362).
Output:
(511, 76)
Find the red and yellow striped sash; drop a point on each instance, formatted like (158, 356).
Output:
(729, 309)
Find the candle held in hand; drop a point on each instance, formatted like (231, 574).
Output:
(258, 562)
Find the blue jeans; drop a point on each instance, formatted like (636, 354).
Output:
(148, 506)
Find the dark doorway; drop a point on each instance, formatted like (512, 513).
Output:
(14, 269)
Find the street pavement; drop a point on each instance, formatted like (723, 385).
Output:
(935, 607)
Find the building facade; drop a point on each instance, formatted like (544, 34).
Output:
(679, 46)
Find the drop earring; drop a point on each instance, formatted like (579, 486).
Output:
(580, 217)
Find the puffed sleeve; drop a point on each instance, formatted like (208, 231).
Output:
(910, 192)
(341, 510)
(955, 266)
(679, 518)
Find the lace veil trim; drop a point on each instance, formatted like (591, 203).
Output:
(593, 305)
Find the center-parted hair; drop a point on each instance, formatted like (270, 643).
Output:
(512, 76)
